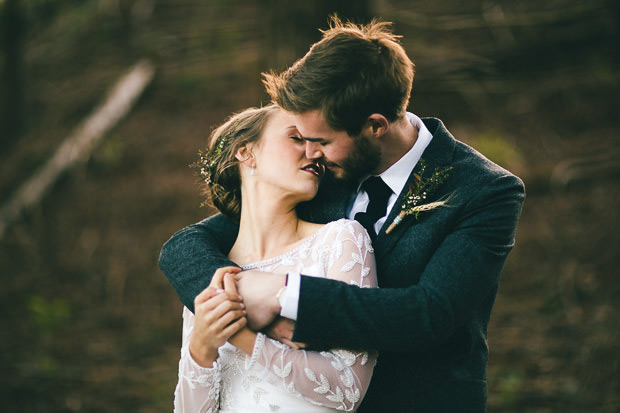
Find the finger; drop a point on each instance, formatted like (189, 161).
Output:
(216, 281)
(233, 270)
(230, 287)
(210, 304)
(289, 343)
(228, 318)
(214, 322)
(220, 305)
(234, 327)
(230, 270)
(204, 295)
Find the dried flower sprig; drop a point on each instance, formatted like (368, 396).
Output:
(419, 190)
(206, 162)
(209, 159)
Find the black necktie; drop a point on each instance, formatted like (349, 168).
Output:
(378, 193)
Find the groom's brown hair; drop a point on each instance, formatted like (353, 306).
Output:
(351, 73)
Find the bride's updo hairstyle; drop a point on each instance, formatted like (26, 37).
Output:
(219, 168)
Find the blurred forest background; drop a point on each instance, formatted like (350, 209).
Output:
(89, 323)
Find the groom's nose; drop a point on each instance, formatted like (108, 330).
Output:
(313, 150)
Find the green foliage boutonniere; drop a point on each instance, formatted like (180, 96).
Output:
(419, 190)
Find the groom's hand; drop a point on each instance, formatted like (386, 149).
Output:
(259, 291)
(282, 330)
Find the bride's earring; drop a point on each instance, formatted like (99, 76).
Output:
(253, 170)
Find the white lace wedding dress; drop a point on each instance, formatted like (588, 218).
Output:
(277, 378)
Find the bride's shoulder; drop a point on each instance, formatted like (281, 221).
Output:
(345, 232)
(348, 225)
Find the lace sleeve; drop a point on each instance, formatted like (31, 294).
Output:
(336, 378)
(351, 257)
(198, 388)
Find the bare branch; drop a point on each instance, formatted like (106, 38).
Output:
(80, 144)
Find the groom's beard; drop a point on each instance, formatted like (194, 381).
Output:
(362, 160)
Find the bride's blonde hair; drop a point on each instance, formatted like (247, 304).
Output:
(219, 168)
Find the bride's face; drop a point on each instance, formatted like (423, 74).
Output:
(281, 165)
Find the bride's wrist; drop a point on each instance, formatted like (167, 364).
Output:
(244, 340)
(204, 357)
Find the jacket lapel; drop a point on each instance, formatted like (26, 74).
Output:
(438, 153)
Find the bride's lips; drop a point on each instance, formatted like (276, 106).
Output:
(316, 169)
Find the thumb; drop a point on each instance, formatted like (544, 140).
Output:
(230, 286)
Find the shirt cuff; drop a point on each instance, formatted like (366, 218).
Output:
(290, 296)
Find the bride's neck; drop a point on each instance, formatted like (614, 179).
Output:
(267, 227)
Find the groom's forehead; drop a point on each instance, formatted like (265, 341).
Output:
(312, 123)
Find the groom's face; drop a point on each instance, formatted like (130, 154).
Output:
(347, 157)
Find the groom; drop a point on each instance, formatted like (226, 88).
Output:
(442, 218)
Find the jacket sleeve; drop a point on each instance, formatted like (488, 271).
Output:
(463, 272)
(191, 256)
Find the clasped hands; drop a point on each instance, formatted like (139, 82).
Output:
(233, 300)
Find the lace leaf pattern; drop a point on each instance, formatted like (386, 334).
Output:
(275, 376)
(336, 378)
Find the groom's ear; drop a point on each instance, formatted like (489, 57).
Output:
(378, 124)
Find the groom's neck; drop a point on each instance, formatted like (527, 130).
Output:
(396, 142)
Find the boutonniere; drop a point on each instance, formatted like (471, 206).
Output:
(420, 188)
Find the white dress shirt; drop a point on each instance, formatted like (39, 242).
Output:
(395, 177)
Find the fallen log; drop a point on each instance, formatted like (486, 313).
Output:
(78, 147)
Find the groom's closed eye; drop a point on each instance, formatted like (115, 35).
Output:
(320, 141)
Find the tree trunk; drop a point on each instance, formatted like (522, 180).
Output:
(13, 112)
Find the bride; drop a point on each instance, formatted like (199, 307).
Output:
(257, 173)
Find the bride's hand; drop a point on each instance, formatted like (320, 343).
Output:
(219, 314)
(217, 281)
